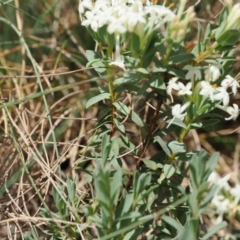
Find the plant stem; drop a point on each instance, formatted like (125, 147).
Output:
(206, 53)
(112, 94)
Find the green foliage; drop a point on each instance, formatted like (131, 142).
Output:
(135, 161)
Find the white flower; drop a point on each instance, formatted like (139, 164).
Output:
(233, 112)
(230, 82)
(221, 182)
(235, 192)
(207, 90)
(92, 20)
(221, 203)
(116, 26)
(121, 15)
(212, 73)
(178, 111)
(185, 89)
(172, 85)
(192, 71)
(83, 5)
(221, 94)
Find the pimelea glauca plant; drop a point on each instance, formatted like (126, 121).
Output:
(141, 56)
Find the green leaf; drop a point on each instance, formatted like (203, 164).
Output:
(119, 125)
(71, 187)
(168, 170)
(121, 107)
(206, 123)
(177, 147)
(157, 82)
(136, 119)
(214, 230)
(96, 99)
(125, 205)
(143, 71)
(151, 164)
(116, 185)
(229, 38)
(162, 144)
(191, 231)
(177, 122)
(183, 57)
(106, 147)
(96, 61)
(172, 222)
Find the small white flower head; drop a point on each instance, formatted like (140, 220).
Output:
(214, 93)
(221, 182)
(235, 192)
(222, 95)
(193, 72)
(233, 112)
(172, 85)
(207, 90)
(221, 203)
(212, 73)
(185, 89)
(230, 82)
(121, 16)
(178, 111)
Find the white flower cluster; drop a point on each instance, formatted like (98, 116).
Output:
(226, 199)
(209, 89)
(121, 16)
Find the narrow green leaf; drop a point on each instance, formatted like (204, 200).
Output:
(172, 222)
(121, 107)
(71, 187)
(142, 71)
(214, 230)
(151, 164)
(95, 60)
(168, 170)
(177, 147)
(96, 99)
(162, 144)
(184, 57)
(136, 119)
(229, 38)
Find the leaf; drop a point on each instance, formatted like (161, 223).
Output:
(229, 38)
(136, 119)
(177, 147)
(96, 99)
(71, 187)
(116, 185)
(162, 144)
(172, 222)
(151, 164)
(205, 123)
(121, 107)
(119, 125)
(106, 147)
(180, 58)
(95, 60)
(143, 71)
(214, 230)
(168, 170)
(157, 82)
(177, 122)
